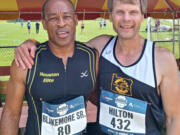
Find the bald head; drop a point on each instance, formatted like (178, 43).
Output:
(48, 1)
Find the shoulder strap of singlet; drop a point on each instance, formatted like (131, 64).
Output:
(107, 44)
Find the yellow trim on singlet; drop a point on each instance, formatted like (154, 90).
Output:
(94, 61)
(40, 46)
(41, 49)
(93, 81)
(29, 74)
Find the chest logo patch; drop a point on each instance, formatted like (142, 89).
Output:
(121, 85)
(84, 74)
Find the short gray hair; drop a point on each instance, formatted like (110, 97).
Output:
(143, 4)
(45, 4)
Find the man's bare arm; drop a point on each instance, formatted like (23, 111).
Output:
(15, 92)
(24, 54)
(169, 89)
(98, 42)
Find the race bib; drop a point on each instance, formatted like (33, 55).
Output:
(68, 118)
(122, 115)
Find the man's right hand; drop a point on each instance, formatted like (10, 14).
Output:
(24, 54)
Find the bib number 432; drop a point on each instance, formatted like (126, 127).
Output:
(120, 124)
(66, 130)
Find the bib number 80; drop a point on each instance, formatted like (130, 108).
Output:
(120, 124)
(66, 130)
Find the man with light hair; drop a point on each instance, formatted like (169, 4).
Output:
(138, 80)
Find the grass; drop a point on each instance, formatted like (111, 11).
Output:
(11, 34)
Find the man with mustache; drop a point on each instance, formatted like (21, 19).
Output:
(138, 80)
(59, 83)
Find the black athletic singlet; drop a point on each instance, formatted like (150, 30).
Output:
(50, 81)
(137, 81)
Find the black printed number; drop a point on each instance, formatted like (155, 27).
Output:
(64, 130)
(113, 122)
(120, 124)
(127, 123)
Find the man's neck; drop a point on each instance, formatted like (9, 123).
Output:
(130, 45)
(128, 51)
(63, 52)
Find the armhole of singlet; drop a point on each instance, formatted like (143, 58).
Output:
(153, 62)
(106, 45)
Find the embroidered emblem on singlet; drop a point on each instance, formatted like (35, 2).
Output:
(121, 85)
(68, 118)
(122, 115)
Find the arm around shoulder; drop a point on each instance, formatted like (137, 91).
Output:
(14, 98)
(99, 42)
(24, 54)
